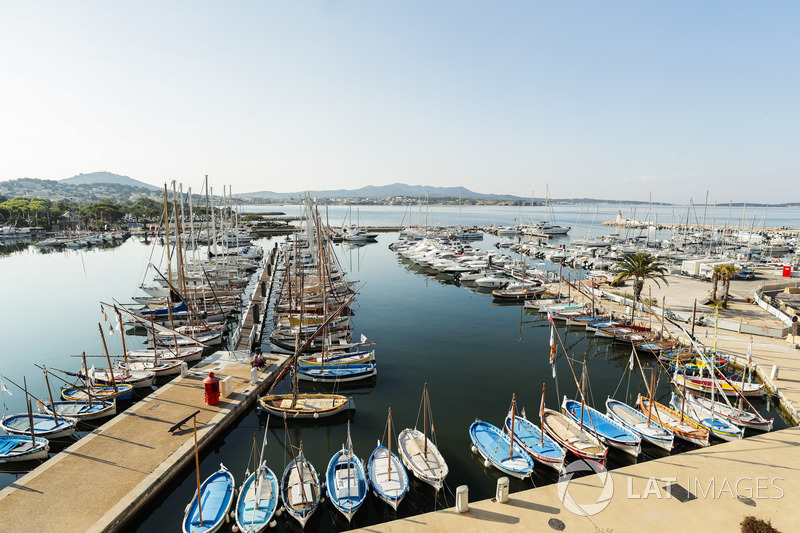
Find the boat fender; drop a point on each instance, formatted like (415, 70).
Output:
(486, 463)
(274, 523)
(227, 519)
(474, 449)
(235, 529)
(279, 511)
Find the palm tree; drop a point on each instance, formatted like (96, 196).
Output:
(639, 266)
(727, 273)
(715, 277)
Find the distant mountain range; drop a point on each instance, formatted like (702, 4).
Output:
(387, 191)
(96, 185)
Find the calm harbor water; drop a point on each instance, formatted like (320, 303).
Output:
(472, 353)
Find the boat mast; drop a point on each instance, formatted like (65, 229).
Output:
(86, 378)
(30, 412)
(389, 438)
(513, 415)
(50, 393)
(197, 471)
(541, 416)
(108, 358)
(166, 226)
(650, 403)
(424, 419)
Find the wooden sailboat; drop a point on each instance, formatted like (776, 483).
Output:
(386, 472)
(499, 449)
(258, 496)
(532, 439)
(676, 421)
(209, 507)
(346, 480)
(419, 453)
(300, 487)
(648, 428)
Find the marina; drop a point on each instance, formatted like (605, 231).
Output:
(435, 331)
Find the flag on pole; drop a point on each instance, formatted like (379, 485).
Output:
(552, 350)
(750, 353)
(630, 363)
(549, 317)
(3, 385)
(111, 329)
(363, 338)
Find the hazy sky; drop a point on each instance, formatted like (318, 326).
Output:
(600, 99)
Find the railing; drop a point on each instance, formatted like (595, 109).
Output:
(773, 306)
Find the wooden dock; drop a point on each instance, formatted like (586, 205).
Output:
(250, 331)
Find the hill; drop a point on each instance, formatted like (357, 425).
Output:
(107, 177)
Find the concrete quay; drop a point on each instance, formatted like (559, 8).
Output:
(102, 480)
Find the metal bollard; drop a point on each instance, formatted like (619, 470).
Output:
(263, 289)
(253, 376)
(462, 499)
(502, 490)
(256, 314)
(774, 374)
(184, 369)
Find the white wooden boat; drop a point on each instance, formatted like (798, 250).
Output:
(300, 488)
(418, 452)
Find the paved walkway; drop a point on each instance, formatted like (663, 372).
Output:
(101, 480)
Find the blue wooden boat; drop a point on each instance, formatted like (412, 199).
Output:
(537, 443)
(346, 480)
(716, 424)
(216, 495)
(79, 394)
(22, 448)
(45, 426)
(499, 450)
(635, 420)
(337, 373)
(258, 499)
(607, 430)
